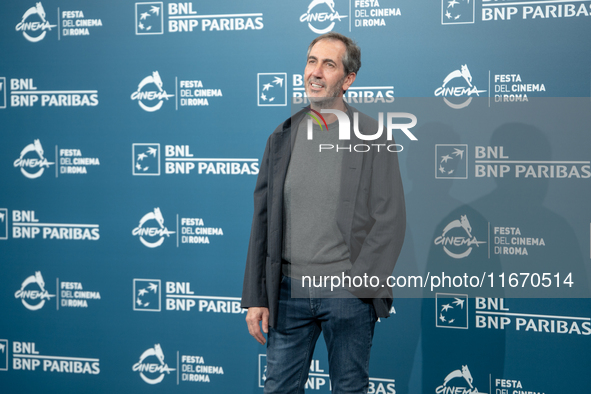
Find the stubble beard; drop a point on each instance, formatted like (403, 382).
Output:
(327, 101)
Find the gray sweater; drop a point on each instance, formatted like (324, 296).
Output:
(312, 242)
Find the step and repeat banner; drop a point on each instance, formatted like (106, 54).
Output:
(132, 137)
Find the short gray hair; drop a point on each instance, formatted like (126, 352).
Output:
(352, 57)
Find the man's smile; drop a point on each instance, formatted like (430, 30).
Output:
(316, 85)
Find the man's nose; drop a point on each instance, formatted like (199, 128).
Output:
(317, 71)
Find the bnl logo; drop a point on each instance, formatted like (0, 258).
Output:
(451, 310)
(146, 295)
(149, 18)
(146, 159)
(451, 161)
(3, 355)
(272, 89)
(3, 223)
(2, 92)
(457, 12)
(262, 369)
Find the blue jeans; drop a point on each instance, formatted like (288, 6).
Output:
(347, 325)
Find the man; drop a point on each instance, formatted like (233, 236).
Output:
(322, 213)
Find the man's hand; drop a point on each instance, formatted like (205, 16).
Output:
(253, 317)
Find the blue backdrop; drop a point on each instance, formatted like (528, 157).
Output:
(132, 134)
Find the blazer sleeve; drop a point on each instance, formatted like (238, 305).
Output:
(254, 290)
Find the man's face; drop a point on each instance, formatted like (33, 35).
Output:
(324, 75)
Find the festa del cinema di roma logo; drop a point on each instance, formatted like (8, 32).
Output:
(317, 16)
(145, 97)
(457, 239)
(152, 237)
(458, 381)
(32, 22)
(27, 165)
(152, 372)
(26, 293)
(460, 87)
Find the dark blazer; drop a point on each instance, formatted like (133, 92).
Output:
(371, 216)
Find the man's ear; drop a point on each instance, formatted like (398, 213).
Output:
(349, 79)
